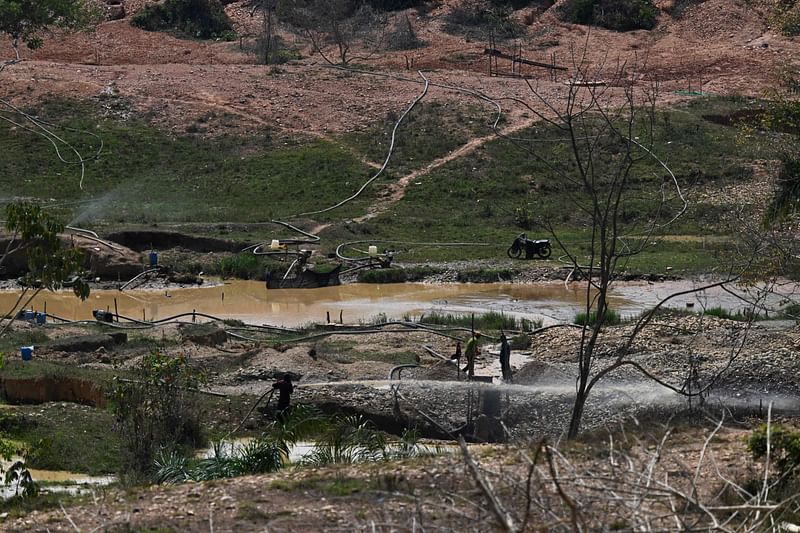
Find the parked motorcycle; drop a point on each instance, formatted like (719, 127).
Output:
(540, 247)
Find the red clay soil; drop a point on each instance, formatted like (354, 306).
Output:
(720, 46)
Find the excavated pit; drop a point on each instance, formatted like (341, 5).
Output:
(53, 389)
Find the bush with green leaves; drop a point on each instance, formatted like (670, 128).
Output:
(617, 15)
(483, 20)
(24, 20)
(340, 439)
(347, 439)
(156, 412)
(242, 266)
(202, 19)
(50, 264)
(784, 449)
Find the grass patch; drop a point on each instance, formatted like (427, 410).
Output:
(429, 132)
(242, 266)
(64, 436)
(333, 486)
(148, 177)
(486, 275)
(19, 507)
(486, 321)
(396, 275)
(144, 176)
(727, 314)
(11, 341)
(612, 318)
(17, 369)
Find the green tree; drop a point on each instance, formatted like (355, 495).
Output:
(51, 265)
(157, 412)
(24, 21)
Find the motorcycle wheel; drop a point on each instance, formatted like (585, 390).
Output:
(545, 251)
(514, 253)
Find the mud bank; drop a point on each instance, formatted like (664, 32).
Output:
(53, 389)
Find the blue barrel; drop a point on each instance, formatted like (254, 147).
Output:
(27, 314)
(26, 352)
(41, 318)
(153, 259)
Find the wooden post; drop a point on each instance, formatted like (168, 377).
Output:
(116, 310)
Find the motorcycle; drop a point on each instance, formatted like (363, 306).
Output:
(540, 247)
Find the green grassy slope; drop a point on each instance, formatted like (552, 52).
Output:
(144, 176)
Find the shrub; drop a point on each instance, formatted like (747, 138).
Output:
(280, 51)
(241, 266)
(787, 191)
(617, 15)
(483, 19)
(612, 318)
(382, 275)
(156, 412)
(786, 16)
(402, 36)
(203, 19)
(348, 439)
(784, 450)
(523, 217)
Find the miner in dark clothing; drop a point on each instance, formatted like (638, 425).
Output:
(285, 390)
(505, 358)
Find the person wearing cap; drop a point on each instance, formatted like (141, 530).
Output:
(471, 350)
(285, 390)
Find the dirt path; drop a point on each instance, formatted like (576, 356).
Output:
(398, 190)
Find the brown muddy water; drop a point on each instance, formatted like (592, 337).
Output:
(251, 302)
(59, 481)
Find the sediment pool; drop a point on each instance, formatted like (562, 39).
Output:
(251, 302)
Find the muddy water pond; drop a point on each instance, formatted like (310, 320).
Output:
(251, 302)
(57, 481)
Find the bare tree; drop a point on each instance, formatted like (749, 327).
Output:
(341, 23)
(605, 120)
(267, 9)
(634, 483)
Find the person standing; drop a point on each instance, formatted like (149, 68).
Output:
(285, 390)
(471, 350)
(505, 358)
(457, 356)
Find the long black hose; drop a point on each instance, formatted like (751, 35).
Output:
(250, 412)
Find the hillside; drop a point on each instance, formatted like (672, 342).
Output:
(439, 156)
(237, 130)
